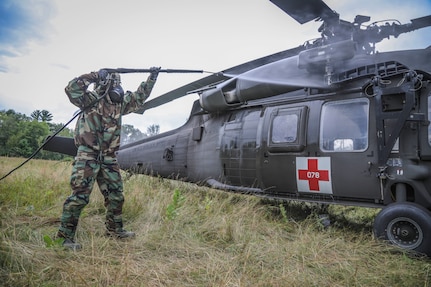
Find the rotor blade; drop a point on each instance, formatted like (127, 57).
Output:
(218, 77)
(304, 11)
(421, 22)
(64, 145)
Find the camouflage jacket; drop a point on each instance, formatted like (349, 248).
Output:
(98, 127)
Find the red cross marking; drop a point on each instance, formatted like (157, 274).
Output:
(313, 175)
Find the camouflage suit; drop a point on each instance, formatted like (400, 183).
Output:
(97, 136)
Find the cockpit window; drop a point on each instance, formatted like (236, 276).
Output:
(344, 126)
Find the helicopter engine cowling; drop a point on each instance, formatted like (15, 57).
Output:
(237, 92)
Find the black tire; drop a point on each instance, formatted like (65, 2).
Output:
(406, 225)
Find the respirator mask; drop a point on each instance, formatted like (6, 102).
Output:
(115, 92)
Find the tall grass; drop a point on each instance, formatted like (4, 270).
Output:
(189, 236)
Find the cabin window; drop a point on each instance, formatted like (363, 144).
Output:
(344, 126)
(284, 129)
(287, 130)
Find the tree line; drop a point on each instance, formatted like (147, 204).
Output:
(21, 135)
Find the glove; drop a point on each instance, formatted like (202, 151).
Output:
(154, 72)
(90, 77)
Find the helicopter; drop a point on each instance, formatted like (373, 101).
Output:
(332, 121)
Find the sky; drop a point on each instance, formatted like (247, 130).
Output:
(46, 43)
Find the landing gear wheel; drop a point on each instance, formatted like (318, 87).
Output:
(406, 225)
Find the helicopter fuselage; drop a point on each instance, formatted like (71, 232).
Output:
(350, 143)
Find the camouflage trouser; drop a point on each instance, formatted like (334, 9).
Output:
(88, 168)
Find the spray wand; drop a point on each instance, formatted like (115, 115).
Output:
(128, 71)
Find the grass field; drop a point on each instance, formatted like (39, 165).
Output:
(189, 236)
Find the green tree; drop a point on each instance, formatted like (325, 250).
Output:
(130, 134)
(35, 115)
(66, 132)
(21, 136)
(153, 130)
(46, 116)
(27, 139)
(42, 116)
(9, 125)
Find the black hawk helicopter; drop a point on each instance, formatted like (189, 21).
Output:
(331, 121)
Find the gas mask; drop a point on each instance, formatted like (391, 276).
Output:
(115, 92)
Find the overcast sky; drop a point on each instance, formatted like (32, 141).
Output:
(46, 43)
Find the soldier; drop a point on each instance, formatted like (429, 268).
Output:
(97, 136)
